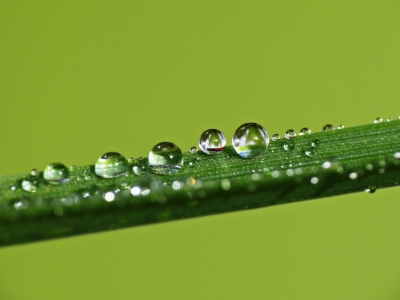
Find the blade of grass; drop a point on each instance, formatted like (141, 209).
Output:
(345, 161)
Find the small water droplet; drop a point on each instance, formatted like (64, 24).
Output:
(177, 185)
(225, 184)
(140, 166)
(290, 134)
(212, 141)
(289, 172)
(311, 151)
(389, 120)
(315, 143)
(340, 127)
(193, 150)
(305, 131)
(314, 180)
(34, 172)
(370, 189)
(276, 137)
(250, 140)
(21, 204)
(378, 120)
(109, 196)
(165, 158)
(111, 165)
(289, 145)
(328, 127)
(30, 183)
(56, 173)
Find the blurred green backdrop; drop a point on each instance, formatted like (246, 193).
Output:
(80, 78)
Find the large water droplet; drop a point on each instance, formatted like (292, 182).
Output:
(304, 131)
(276, 137)
(289, 145)
(56, 173)
(111, 165)
(290, 133)
(328, 127)
(165, 158)
(250, 140)
(212, 141)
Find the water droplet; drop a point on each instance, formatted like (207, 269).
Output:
(304, 131)
(276, 137)
(250, 140)
(328, 127)
(289, 145)
(311, 151)
(314, 180)
(56, 173)
(396, 154)
(34, 172)
(31, 182)
(193, 150)
(353, 175)
(378, 120)
(212, 141)
(315, 143)
(225, 184)
(165, 158)
(177, 185)
(140, 166)
(326, 164)
(389, 120)
(289, 172)
(21, 204)
(290, 133)
(340, 127)
(370, 189)
(111, 165)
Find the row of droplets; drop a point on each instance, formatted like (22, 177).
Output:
(249, 141)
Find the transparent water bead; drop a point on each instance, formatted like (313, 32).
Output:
(111, 165)
(311, 151)
(165, 158)
(290, 134)
(140, 166)
(193, 150)
(328, 127)
(305, 131)
(340, 127)
(289, 145)
(56, 173)
(31, 182)
(212, 141)
(250, 140)
(315, 143)
(276, 137)
(378, 120)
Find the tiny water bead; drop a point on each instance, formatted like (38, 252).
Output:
(328, 127)
(289, 145)
(276, 137)
(165, 158)
(56, 173)
(370, 189)
(212, 141)
(315, 143)
(250, 140)
(111, 165)
(290, 134)
(305, 131)
(340, 127)
(140, 166)
(193, 150)
(311, 151)
(378, 120)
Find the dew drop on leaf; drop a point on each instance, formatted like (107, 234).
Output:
(289, 145)
(250, 140)
(111, 165)
(165, 158)
(56, 173)
(305, 131)
(290, 133)
(276, 137)
(212, 141)
(328, 127)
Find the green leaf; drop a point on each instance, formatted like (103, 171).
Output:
(363, 158)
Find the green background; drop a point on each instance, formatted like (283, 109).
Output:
(80, 78)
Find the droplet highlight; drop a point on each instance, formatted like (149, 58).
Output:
(250, 140)
(111, 165)
(165, 158)
(212, 141)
